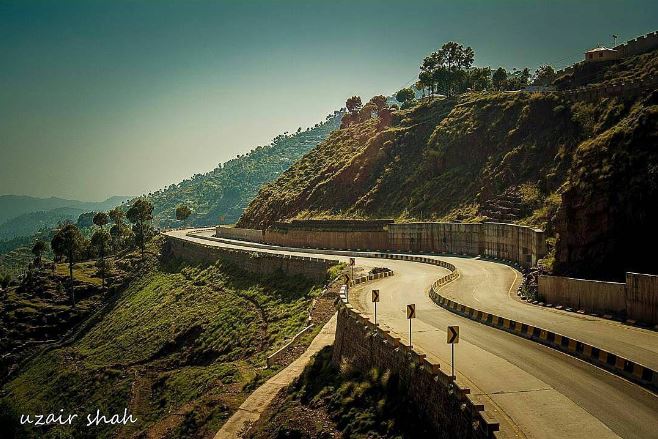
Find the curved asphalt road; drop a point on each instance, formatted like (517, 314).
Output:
(491, 287)
(532, 390)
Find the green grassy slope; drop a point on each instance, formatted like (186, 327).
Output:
(189, 340)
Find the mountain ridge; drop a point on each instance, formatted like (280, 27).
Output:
(526, 158)
(12, 206)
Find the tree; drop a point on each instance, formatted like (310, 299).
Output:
(367, 111)
(118, 230)
(428, 72)
(405, 96)
(99, 242)
(68, 241)
(183, 212)
(353, 104)
(101, 219)
(86, 219)
(499, 78)
(524, 76)
(444, 70)
(478, 78)
(140, 214)
(544, 75)
(117, 215)
(37, 250)
(518, 79)
(379, 102)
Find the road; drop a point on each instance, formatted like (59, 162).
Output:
(491, 287)
(532, 390)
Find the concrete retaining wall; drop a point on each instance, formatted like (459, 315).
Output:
(511, 242)
(447, 407)
(252, 235)
(642, 297)
(251, 261)
(340, 240)
(330, 234)
(588, 295)
(636, 300)
(520, 244)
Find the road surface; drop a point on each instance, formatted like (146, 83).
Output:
(532, 390)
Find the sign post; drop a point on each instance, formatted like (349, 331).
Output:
(347, 287)
(411, 314)
(352, 262)
(453, 339)
(375, 299)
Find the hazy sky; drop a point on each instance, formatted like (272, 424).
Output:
(114, 97)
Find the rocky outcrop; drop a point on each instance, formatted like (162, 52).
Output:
(606, 224)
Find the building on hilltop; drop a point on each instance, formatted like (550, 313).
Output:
(601, 54)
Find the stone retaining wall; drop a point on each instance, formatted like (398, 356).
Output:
(446, 406)
(251, 261)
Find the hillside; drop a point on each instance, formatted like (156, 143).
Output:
(179, 345)
(445, 159)
(516, 157)
(217, 196)
(223, 193)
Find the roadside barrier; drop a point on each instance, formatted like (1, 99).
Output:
(616, 364)
(607, 360)
(619, 365)
(362, 279)
(470, 411)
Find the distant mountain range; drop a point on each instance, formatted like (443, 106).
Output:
(23, 215)
(217, 196)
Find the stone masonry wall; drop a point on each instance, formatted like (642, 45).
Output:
(447, 408)
(253, 262)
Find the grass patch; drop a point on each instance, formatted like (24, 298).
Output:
(190, 339)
